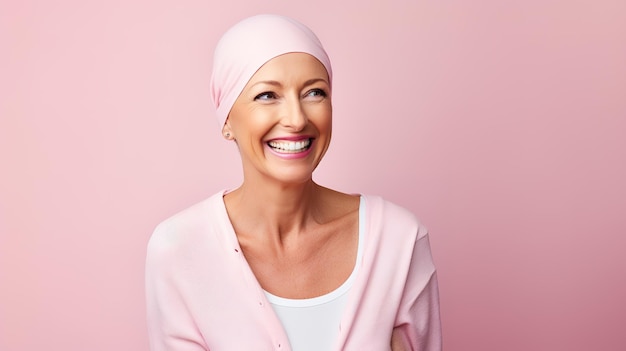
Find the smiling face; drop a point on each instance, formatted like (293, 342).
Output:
(282, 119)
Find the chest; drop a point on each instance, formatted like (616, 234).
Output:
(313, 266)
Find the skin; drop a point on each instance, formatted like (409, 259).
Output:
(290, 229)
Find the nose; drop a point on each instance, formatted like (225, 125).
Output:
(294, 116)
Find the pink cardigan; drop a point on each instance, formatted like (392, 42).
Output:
(202, 295)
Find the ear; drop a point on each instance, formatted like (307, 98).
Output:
(227, 133)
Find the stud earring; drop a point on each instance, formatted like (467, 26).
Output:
(227, 135)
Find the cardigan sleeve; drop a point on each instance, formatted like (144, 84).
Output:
(170, 323)
(418, 325)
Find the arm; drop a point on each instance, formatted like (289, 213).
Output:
(418, 325)
(170, 323)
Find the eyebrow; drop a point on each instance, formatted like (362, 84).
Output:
(278, 84)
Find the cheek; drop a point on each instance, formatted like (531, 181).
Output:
(246, 120)
(328, 120)
(321, 116)
(251, 125)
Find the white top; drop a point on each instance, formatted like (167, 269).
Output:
(313, 324)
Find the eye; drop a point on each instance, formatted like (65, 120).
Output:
(265, 96)
(316, 93)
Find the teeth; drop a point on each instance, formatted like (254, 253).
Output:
(290, 146)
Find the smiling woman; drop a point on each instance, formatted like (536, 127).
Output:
(282, 263)
(282, 119)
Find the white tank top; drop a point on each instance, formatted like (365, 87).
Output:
(313, 324)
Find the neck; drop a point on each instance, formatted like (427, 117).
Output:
(275, 209)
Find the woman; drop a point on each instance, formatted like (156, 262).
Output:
(282, 263)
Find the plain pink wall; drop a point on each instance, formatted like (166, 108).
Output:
(500, 124)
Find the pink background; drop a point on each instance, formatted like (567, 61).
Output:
(500, 124)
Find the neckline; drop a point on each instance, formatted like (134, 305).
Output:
(347, 318)
(340, 290)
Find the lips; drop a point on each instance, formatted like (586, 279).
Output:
(290, 146)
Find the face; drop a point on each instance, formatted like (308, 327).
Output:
(281, 121)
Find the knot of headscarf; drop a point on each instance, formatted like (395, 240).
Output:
(247, 46)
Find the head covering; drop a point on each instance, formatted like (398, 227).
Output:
(248, 45)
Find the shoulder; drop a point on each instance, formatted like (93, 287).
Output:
(186, 228)
(392, 217)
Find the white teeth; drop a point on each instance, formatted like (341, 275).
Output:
(290, 146)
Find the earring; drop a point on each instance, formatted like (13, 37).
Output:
(227, 135)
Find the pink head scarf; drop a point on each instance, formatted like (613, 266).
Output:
(247, 46)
